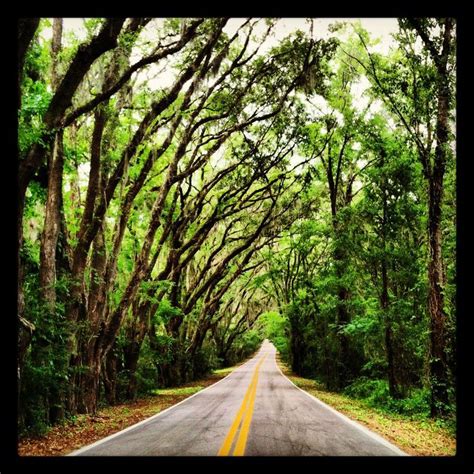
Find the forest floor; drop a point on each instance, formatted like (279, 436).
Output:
(82, 430)
(416, 437)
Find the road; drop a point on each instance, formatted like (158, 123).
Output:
(254, 411)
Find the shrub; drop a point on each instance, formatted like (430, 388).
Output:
(376, 394)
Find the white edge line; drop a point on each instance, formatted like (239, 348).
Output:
(368, 432)
(146, 420)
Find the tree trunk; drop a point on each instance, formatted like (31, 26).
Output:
(438, 365)
(90, 354)
(89, 386)
(109, 372)
(296, 350)
(131, 354)
(55, 50)
(47, 270)
(49, 240)
(439, 377)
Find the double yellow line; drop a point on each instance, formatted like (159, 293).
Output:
(245, 412)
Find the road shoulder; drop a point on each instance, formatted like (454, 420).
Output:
(414, 437)
(84, 430)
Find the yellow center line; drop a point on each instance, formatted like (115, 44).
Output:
(246, 408)
(244, 430)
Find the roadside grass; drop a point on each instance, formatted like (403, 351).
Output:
(416, 437)
(225, 371)
(82, 430)
(177, 391)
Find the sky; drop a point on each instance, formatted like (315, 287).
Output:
(377, 27)
(380, 28)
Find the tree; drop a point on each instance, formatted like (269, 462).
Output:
(407, 86)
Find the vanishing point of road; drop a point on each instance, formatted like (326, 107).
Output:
(254, 411)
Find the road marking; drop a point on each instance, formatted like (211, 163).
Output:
(244, 431)
(360, 427)
(227, 444)
(153, 417)
(246, 412)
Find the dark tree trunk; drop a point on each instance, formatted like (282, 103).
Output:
(48, 260)
(110, 377)
(89, 385)
(438, 364)
(296, 344)
(82, 249)
(436, 276)
(131, 354)
(91, 355)
(87, 307)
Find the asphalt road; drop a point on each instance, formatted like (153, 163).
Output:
(255, 411)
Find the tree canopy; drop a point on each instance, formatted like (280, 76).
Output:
(187, 188)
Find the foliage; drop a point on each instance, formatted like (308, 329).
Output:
(260, 194)
(375, 392)
(275, 328)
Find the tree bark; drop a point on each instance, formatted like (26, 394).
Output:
(47, 272)
(81, 251)
(55, 50)
(438, 364)
(109, 377)
(131, 354)
(48, 258)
